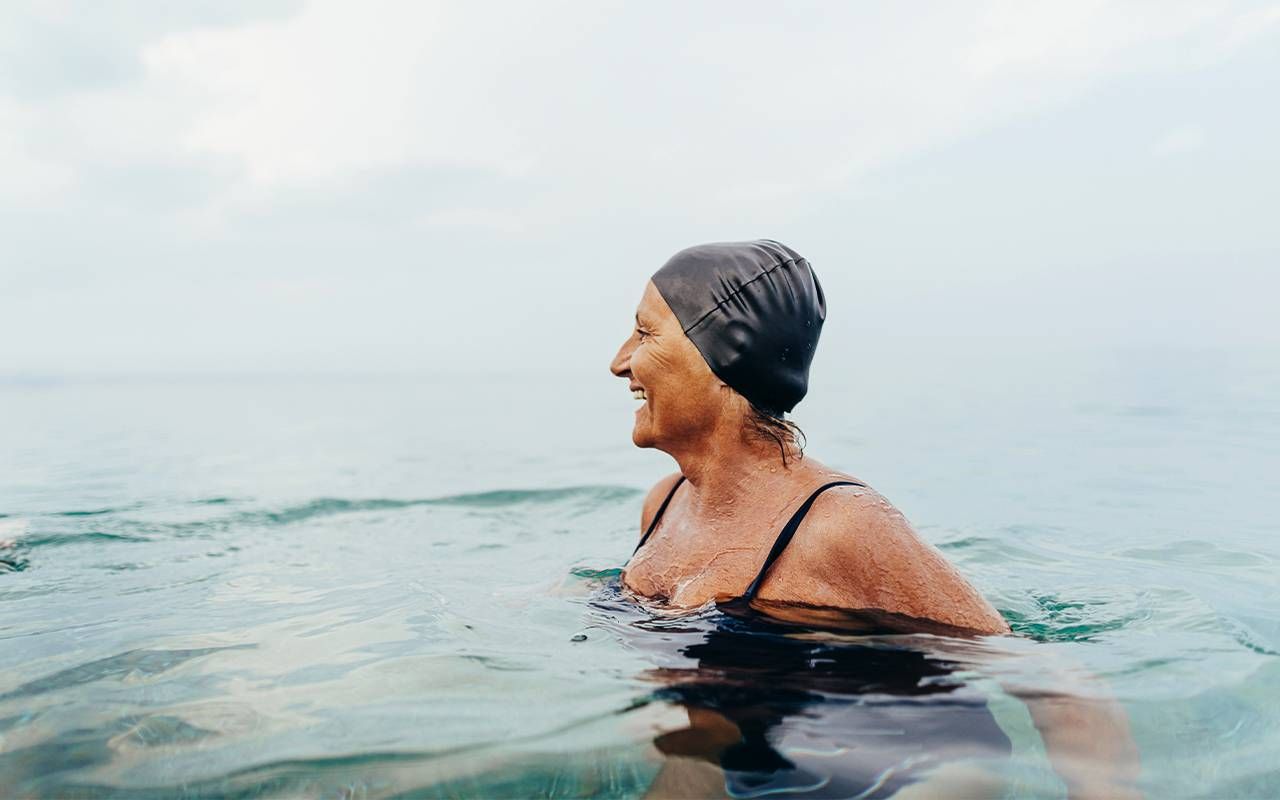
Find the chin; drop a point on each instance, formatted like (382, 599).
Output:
(642, 435)
(641, 438)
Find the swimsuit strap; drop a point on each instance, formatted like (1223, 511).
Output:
(658, 516)
(784, 538)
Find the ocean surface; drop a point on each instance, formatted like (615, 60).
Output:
(406, 586)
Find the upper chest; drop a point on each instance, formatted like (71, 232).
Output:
(688, 561)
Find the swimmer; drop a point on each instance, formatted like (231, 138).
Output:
(720, 353)
(723, 339)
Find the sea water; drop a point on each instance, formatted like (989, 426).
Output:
(406, 585)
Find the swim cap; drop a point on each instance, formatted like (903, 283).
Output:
(754, 310)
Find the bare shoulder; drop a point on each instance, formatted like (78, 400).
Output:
(860, 551)
(654, 499)
(856, 519)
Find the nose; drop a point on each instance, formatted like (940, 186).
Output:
(621, 365)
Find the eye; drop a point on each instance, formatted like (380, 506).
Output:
(642, 333)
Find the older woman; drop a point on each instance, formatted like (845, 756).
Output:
(723, 339)
(724, 336)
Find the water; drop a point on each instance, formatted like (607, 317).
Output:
(377, 587)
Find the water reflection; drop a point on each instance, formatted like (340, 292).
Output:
(782, 711)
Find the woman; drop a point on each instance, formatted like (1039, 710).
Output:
(721, 349)
(723, 339)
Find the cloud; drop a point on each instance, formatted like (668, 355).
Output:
(747, 105)
(352, 181)
(337, 90)
(717, 108)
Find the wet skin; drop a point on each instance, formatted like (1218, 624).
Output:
(854, 550)
(854, 558)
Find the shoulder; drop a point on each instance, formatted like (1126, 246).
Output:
(844, 526)
(864, 553)
(854, 535)
(852, 518)
(654, 499)
(850, 544)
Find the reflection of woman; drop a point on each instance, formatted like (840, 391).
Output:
(810, 717)
(721, 349)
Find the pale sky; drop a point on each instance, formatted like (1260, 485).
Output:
(472, 186)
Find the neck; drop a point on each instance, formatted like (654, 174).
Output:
(728, 466)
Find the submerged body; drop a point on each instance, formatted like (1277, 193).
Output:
(779, 710)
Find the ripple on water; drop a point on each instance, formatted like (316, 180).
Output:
(1197, 553)
(130, 664)
(81, 537)
(157, 731)
(594, 497)
(1051, 618)
(97, 512)
(591, 574)
(1012, 545)
(111, 525)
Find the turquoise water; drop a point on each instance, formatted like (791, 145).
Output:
(404, 586)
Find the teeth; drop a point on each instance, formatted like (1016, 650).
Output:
(638, 394)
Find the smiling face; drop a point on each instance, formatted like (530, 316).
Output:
(681, 399)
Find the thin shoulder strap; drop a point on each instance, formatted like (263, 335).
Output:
(784, 538)
(658, 516)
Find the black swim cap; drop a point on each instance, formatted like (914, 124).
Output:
(754, 310)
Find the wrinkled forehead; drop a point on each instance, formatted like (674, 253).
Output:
(653, 309)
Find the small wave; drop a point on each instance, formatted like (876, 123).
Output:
(506, 499)
(1053, 619)
(343, 775)
(323, 507)
(58, 539)
(580, 500)
(1246, 636)
(967, 543)
(326, 506)
(358, 774)
(158, 730)
(502, 498)
(1011, 544)
(133, 663)
(96, 512)
(1197, 552)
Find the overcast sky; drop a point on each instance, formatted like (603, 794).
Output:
(417, 186)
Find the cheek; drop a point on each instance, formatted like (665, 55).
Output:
(648, 366)
(677, 385)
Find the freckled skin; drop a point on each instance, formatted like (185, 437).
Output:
(854, 550)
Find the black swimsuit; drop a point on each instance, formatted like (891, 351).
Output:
(784, 537)
(818, 719)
